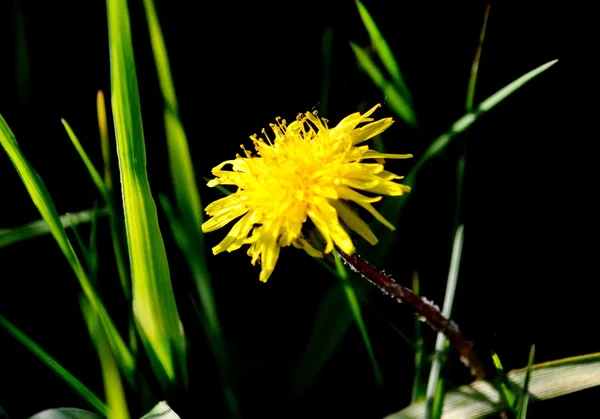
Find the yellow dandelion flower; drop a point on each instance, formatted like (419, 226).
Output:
(308, 171)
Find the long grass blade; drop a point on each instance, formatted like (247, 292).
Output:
(383, 50)
(43, 201)
(39, 228)
(392, 207)
(154, 303)
(80, 388)
(547, 381)
(509, 397)
(393, 98)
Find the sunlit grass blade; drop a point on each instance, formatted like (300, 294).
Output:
(154, 303)
(419, 389)
(393, 98)
(393, 206)
(509, 397)
(384, 52)
(354, 304)
(86, 160)
(116, 227)
(189, 206)
(522, 408)
(434, 389)
(326, 43)
(548, 380)
(113, 387)
(39, 228)
(58, 369)
(42, 200)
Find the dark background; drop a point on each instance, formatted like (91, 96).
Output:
(528, 270)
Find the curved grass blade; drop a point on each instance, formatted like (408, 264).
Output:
(393, 206)
(58, 369)
(547, 381)
(43, 201)
(113, 387)
(154, 303)
(393, 98)
(39, 228)
(332, 306)
(385, 53)
(86, 160)
(354, 304)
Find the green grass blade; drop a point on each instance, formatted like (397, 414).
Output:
(393, 206)
(82, 247)
(58, 369)
(116, 227)
(509, 397)
(394, 99)
(326, 43)
(113, 387)
(547, 381)
(522, 409)
(39, 228)
(154, 303)
(93, 245)
(96, 178)
(42, 200)
(383, 50)
(433, 387)
(354, 304)
(418, 390)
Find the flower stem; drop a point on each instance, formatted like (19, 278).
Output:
(429, 312)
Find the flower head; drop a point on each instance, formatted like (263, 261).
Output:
(308, 171)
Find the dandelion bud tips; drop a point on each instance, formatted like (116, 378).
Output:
(304, 173)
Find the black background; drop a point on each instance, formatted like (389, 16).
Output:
(528, 270)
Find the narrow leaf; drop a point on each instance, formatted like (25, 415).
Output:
(57, 368)
(383, 50)
(154, 303)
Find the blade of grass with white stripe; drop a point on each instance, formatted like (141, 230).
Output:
(332, 304)
(113, 386)
(435, 387)
(40, 227)
(154, 303)
(80, 388)
(384, 52)
(43, 201)
(548, 380)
